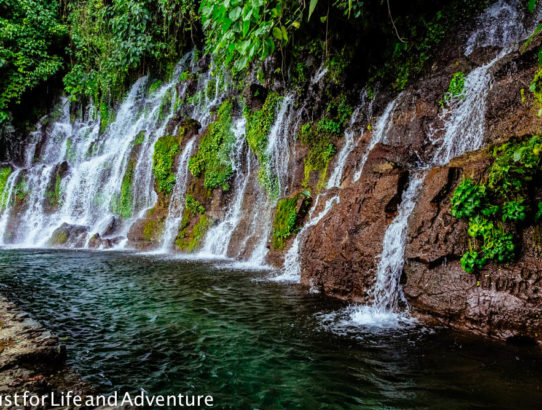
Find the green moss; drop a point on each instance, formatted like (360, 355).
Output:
(155, 86)
(4, 175)
(258, 126)
(54, 194)
(70, 150)
(456, 89)
(284, 222)
(193, 206)
(188, 241)
(59, 238)
(22, 191)
(139, 138)
(152, 230)
(213, 159)
(165, 151)
(107, 116)
(536, 89)
(123, 204)
(288, 217)
(500, 206)
(165, 105)
(318, 138)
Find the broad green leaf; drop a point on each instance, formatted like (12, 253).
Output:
(235, 13)
(277, 33)
(284, 33)
(532, 4)
(312, 6)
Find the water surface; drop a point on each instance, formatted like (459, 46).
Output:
(133, 322)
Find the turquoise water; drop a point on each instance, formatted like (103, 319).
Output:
(170, 326)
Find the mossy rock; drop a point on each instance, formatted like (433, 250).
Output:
(289, 216)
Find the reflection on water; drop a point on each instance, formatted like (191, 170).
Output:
(137, 322)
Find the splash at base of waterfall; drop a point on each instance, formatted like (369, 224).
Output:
(349, 320)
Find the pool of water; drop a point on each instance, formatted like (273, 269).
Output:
(169, 326)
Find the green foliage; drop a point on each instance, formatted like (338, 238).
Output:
(515, 165)
(536, 88)
(421, 35)
(165, 151)
(31, 36)
(319, 138)
(123, 204)
(189, 240)
(193, 206)
(213, 159)
(54, 194)
(468, 198)
(472, 261)
(111, 40)
(514, 211)
(152, 230)
(240, 32)
(4, 175)
(532, 5)
(284, 223)
(501, 203)
(456, 89)
(259, 124)
(155, 86)
(22, 191)
(140, 138)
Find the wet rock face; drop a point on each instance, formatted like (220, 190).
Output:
(70, 236)
(501, 301)
(340, 253)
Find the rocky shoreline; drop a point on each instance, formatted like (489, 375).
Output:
(32, 359)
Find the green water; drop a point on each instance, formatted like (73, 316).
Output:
(171, 326)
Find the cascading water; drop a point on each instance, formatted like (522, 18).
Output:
(500, 25)
(218, 238)
(92, 167)
(176, 204)
(291, 272)
(383, 125)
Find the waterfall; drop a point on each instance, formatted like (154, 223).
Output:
(382, 126)
(83, 166)
(218, 238)
(387, 294)
(291, 271)
(176, 204)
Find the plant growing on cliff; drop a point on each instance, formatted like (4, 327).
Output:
(213, 159)
(4, 175)
(456, 89)
(189, 237)
(285, 221)
(288, 214)
(165, 151)
(259, 124)
(501, 205)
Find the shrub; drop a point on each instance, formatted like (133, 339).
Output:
(213, 159)
(284, 223)
(503, 200)
(259, 124)
(165, 151)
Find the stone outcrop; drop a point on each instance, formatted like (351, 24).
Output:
(31, 358)
(501, 301)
